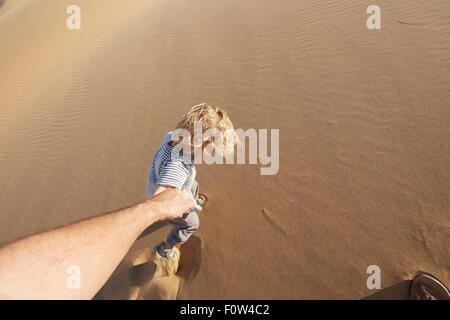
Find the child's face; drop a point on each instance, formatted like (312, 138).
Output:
(205, 144)
(208, 149)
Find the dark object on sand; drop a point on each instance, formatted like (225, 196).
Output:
(427, 287)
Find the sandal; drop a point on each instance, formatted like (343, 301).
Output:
(427, 287)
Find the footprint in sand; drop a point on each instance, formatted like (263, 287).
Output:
(170, 276)
(165, 284)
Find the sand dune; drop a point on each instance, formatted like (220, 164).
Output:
(364, 123)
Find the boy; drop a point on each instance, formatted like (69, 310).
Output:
(173, 165)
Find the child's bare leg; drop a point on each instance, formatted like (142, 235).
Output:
(195, 189)
(199, 197)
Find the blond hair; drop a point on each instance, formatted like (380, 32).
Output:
(210, 117)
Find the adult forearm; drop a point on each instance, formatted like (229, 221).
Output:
(43, 266)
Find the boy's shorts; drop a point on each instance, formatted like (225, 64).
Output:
(187, 225)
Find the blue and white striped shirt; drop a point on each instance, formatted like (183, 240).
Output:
(178, 172)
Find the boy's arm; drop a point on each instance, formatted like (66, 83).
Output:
(172, 176)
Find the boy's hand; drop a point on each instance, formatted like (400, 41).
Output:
(173, 203)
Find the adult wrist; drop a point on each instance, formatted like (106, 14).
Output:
(150, 212)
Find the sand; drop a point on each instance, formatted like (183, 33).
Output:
(364, 123)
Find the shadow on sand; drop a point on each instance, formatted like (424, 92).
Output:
(399, 291)
(153, 228)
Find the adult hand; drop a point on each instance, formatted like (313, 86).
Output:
(173, 203)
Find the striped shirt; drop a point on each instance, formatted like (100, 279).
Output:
(166, 170)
